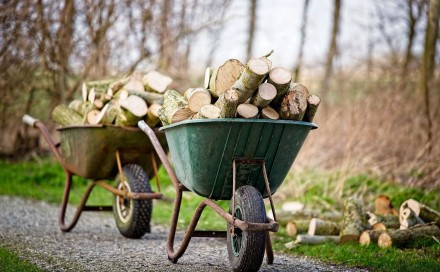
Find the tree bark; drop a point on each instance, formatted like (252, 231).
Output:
(389, 220)
(228, 103)
(251, 32)
(409, 219)
(418, 235)
(175, 108)
(370, 237)
(65, 116)
(320, 227)
(353, 221)
(425, 213)
(316, 240)
(313, 102)
(294, 103)
(253, 75)
(302, 42)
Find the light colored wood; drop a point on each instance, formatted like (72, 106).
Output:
(370, 237)
(152, 117)
(280, 78)
(266, 59)
(425, 213)
(316, 240)
(156, 82)
(84, 92)
(389, 220)
(149, 97)
(269, 113)
(121, 95)
(133, 109)
(108, 113)
(383, 206)
(208, 75)
(228, 103)
(408, 218)
(295, 227)
(253, 75)
(224, 77)
(313, 102)
(91, 96)
(208, 112)
(118, 84)
(264, 95)
(175, 108)
(92, 117)
(65, 116)
(85, 108)
(75, 104)
(98, 103)
(197, 97)
(353, 220)
(378, 226)
(321, 227)
(294, 103)
(407, 237)
(135, 86)
(248, 111)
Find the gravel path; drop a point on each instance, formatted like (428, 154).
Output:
(30, 229)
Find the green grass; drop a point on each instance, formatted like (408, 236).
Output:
(44, 180)
(11, 262)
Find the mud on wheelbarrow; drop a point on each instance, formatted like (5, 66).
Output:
(241, 160)
(102, 153)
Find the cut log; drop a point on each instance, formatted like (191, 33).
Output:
(175, 108)
(266, 59)
(280, 78)
(313, 102)
(84, 92)
(75, 104)
(208, 74)
(370, 237)
(383, 206)
(197, 97)
(390, 221)
(418, 235)
(294, 103)
(228, 103)
(248, 111)
(320, 227)
(378, 226)
(316, 240)
(295, 227)
(85, 108)
(108, 114)
(65, 116)
(134, 85)
(100, 86)
(132, 110)
(118, 84)
(92, 117)
(150, 98)
(152, 117)
(156, 82)
(98, 103)
(225, 76)
(425, 213)
(265, 94)
(353, 221)
(252, 76)
(269, 113)
(408, 218)
(208, 112)
(121, 95)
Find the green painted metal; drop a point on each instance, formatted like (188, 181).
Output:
(202, 152)
(89, 151)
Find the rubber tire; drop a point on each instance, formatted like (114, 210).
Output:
(138, 222)
(249, 256)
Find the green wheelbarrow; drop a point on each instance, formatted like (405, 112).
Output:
(240, 160)
(101, 153)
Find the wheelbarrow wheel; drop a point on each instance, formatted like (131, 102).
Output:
(133, 216)
(246, 248)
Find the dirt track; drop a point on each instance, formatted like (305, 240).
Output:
(30, 229)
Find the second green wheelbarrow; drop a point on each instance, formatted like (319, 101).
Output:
(240, 160)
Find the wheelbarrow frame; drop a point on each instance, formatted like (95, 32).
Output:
(55, 149)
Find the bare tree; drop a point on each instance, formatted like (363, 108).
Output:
(251, 32)
(333, 46)
(302, 42)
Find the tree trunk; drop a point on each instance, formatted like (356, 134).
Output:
(353, 221)
(302, 42)
(333, 48)
(252, 21)
(418, 235)
(316, 240)
(321, 227)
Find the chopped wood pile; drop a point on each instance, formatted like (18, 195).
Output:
(254, 90)
(121, 102)
(413, 226)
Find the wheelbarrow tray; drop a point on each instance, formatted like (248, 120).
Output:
(203, 151)
(89, 151)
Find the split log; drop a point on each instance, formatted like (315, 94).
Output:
(108, 113)
(208, 112)
(118, 84)
(280, 78)
(208, 75)
(197, 97)
(294, 103)
(316, 240)
(65, 116)
(247, 111)
(269, 113)
(84, 92)
(370, 237)
(152, 117)
(383, 206)
(92, 117)
(91, 96)
(228, 103)
(132, 110)
(389, 220)
(295, 227)
(320, 227)
(85, 108)
(265, 94)
(418, 235)
(426, 213)
(408, 218)
(313, 102)
(224, 77)
(353, 221)
(156, 82)
(150, 98)
(175, 108)
(252, 76)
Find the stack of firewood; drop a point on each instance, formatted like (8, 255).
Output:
(254, 90)
(121, 102)
(415, 224)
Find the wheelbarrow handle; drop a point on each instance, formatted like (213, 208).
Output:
(29, 120)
